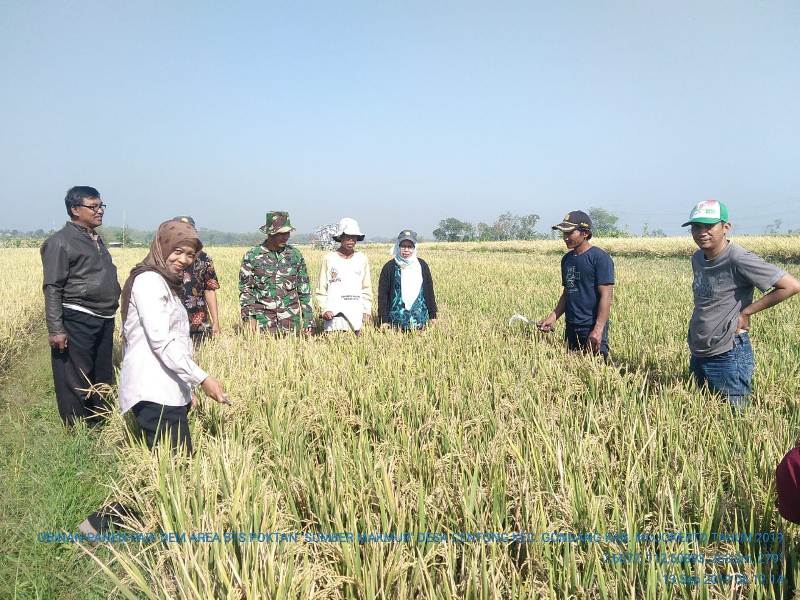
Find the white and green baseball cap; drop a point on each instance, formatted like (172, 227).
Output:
(708, 212)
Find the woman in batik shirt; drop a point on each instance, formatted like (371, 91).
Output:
(200, 285)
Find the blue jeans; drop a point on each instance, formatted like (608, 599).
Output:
(730, 374)
(577, 338)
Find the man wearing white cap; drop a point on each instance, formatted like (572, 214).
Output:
(344, 289)
(725, 276)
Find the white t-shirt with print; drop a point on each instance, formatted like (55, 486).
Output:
(345, 287)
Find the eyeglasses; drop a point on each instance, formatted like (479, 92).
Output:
(95, 208)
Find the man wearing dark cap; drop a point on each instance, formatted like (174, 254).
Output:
(587, 274)
(725, 278)
(274, 290)
(200, 285)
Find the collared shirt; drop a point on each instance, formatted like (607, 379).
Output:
(91, 233)
(157, 364)
(83, 309)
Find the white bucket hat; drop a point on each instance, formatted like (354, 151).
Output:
(350, 227)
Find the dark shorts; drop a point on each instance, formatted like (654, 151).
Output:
(577, 338)
(730, 374)
(159, 421)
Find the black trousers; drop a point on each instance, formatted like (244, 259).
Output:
(159, 421)
(85, 361)
(577, 338)
(198, 337)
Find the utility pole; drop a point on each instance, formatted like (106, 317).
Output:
(123, 227)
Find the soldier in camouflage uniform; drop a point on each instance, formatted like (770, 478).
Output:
(274, 292)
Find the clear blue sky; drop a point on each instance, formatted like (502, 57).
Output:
(400, 113)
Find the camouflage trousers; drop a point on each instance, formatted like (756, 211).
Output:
(277, 323)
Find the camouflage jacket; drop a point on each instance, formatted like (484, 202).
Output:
(274, 289)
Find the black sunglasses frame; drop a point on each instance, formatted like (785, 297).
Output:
(95, 209)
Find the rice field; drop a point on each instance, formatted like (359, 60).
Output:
(21, 301)
(474, 459)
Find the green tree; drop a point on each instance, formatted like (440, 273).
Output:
(604, 223)
(655, 233)
(506, 225)
(484, 232)
(509, 227)
(453, 230)
(526, 228)
(773, 228)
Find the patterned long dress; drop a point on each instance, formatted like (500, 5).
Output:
(399, 316)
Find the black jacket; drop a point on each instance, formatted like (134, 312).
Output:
(386, 284)
(77, 271)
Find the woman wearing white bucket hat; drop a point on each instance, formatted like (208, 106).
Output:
(344, 289)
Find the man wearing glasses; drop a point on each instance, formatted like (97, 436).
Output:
(81, 296)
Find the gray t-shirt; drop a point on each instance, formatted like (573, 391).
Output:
(722, 288)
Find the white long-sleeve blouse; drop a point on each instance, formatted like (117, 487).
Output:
(157, 363)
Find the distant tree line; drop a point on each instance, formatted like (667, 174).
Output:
(16, 234)
(774, 228)
(141, 237)
(506, 227)
(515, 227)
(210, 237)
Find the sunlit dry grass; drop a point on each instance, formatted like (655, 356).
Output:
(778, 248)
(21, 301)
